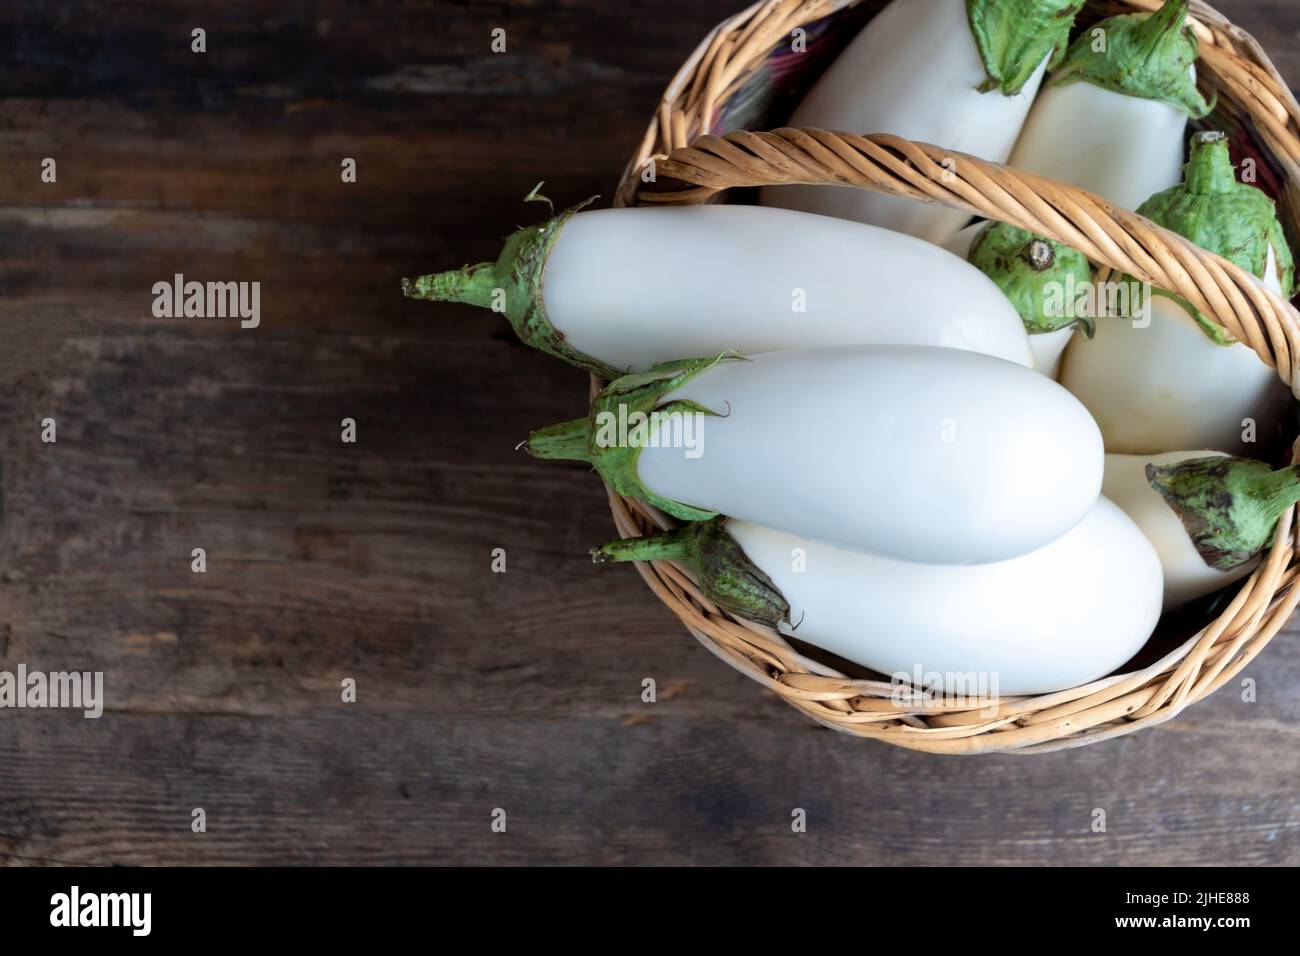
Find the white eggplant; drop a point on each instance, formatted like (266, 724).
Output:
(1062, 616)
(960, 75)
(615, 290)
(1186, 575)
(923, 454)
(1164, 385)
(1118, 147)
(1113, 120)
(1171, 379)
(1026, 277)
(1048, 349)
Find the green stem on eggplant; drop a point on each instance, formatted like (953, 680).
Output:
(1224, 216)
(513, 286)
(1014, 38)
(472, 285)
(620, 425)
(1213, 209)
(564, 441)
(1147, 55)
(1209, 170)
(724, 572)
(1229, 506)
(1033, 272)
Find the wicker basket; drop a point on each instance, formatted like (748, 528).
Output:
(742, 77)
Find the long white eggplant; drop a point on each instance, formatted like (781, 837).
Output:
(1027, 268)
(1085, 136)
(923, 454)
(615, 290)
(1113, 119)
(1165, 385)
(1061, 616)
(1172, 379)
(959, 74)
(1186, 574)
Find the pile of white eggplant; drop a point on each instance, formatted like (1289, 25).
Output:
(852, 403)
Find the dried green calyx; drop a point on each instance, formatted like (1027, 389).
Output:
(1038, 275)
(513, 286)
(1229, 218)
(1015, 36)
(724, 572)
(625, 418)
(1229, 506)
(1147, 55)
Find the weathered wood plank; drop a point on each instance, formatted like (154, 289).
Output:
(367, 788)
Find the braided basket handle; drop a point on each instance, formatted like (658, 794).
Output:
(1117, 238)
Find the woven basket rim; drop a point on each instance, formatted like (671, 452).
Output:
(698, 166)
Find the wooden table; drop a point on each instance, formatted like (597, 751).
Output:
(372, 560)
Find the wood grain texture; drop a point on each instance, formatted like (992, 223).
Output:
(475, 690)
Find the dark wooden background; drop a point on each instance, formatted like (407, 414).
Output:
(475, 690)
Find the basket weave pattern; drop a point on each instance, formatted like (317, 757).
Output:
(691, 166)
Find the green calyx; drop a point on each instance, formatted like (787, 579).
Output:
(1147, 55)
(513, 285)
(1036, 274)
(1229, 506)
(624, 419)
(1229, 218)
(724, 572)
(1013, 38)
(1218, 213)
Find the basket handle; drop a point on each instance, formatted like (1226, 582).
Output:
(1117, 238)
